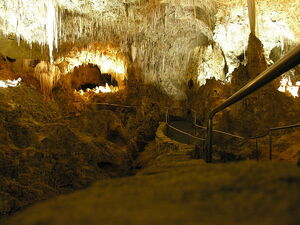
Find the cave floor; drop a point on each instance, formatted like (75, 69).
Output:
(178, 190)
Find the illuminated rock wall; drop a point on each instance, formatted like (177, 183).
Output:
(159, 37)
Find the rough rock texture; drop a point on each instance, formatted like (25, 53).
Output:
(83, 75)
(158, 36)
(165, 145)
(253, 115)
(265, 108)
(175, 189)
(51, 147)
(10, 47)
(43, 154)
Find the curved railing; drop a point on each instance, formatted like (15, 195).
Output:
(287, 62)
(111, 104)
(268, 133)
(167, 120)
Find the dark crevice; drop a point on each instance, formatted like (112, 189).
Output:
(87, 86)
(95, 78)
(10, 59)
(107, 78)
(106, 165)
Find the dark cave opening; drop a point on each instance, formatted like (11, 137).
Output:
(89, 77)
(86, 86)
(107, 78)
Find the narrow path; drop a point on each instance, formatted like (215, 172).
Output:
(185, 126)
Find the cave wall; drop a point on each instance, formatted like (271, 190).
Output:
(256, 113)
(164, 45)
(82, 75)
(267, 107)
(158, 38)
(149, 33)
(45, 151)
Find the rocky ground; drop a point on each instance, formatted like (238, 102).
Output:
(52, 147)
(176, 189)
(47, 149)
(43, 154)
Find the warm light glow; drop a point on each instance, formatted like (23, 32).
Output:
(99, 89)
(48, 74)
(211, 64)
(107, 64)
(10, 83)
(105, 89)
(287, 86)
(232, 32)
(106, 59)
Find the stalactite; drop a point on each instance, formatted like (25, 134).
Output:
(252, 15)
(157, 28)
(48, 74)
(41, 15)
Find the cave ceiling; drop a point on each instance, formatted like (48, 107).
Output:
(161, 36)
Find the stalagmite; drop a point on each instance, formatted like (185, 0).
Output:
(114, 108)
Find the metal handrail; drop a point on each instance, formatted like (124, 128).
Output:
(285, 127)
(181, 131)
(231, 135)
(111, 104)
(269, 133)
(223, 132)
(286, 63)
(217, 131)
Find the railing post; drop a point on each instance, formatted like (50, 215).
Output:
(195, 123)
(270, 145)
(167, 112)
(256, 149)
(203, 150)
(167, 129)
(209, 140)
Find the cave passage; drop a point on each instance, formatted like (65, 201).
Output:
(89, 77)
(148, 112)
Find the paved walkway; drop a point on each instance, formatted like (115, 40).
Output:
(187, 127)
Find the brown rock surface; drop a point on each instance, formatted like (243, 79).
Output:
(175, 189)
(42, 154)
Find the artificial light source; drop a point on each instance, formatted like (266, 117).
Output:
(99, 89)
(10, 83)
(286, 86)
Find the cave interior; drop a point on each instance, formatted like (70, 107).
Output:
(108, 112)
